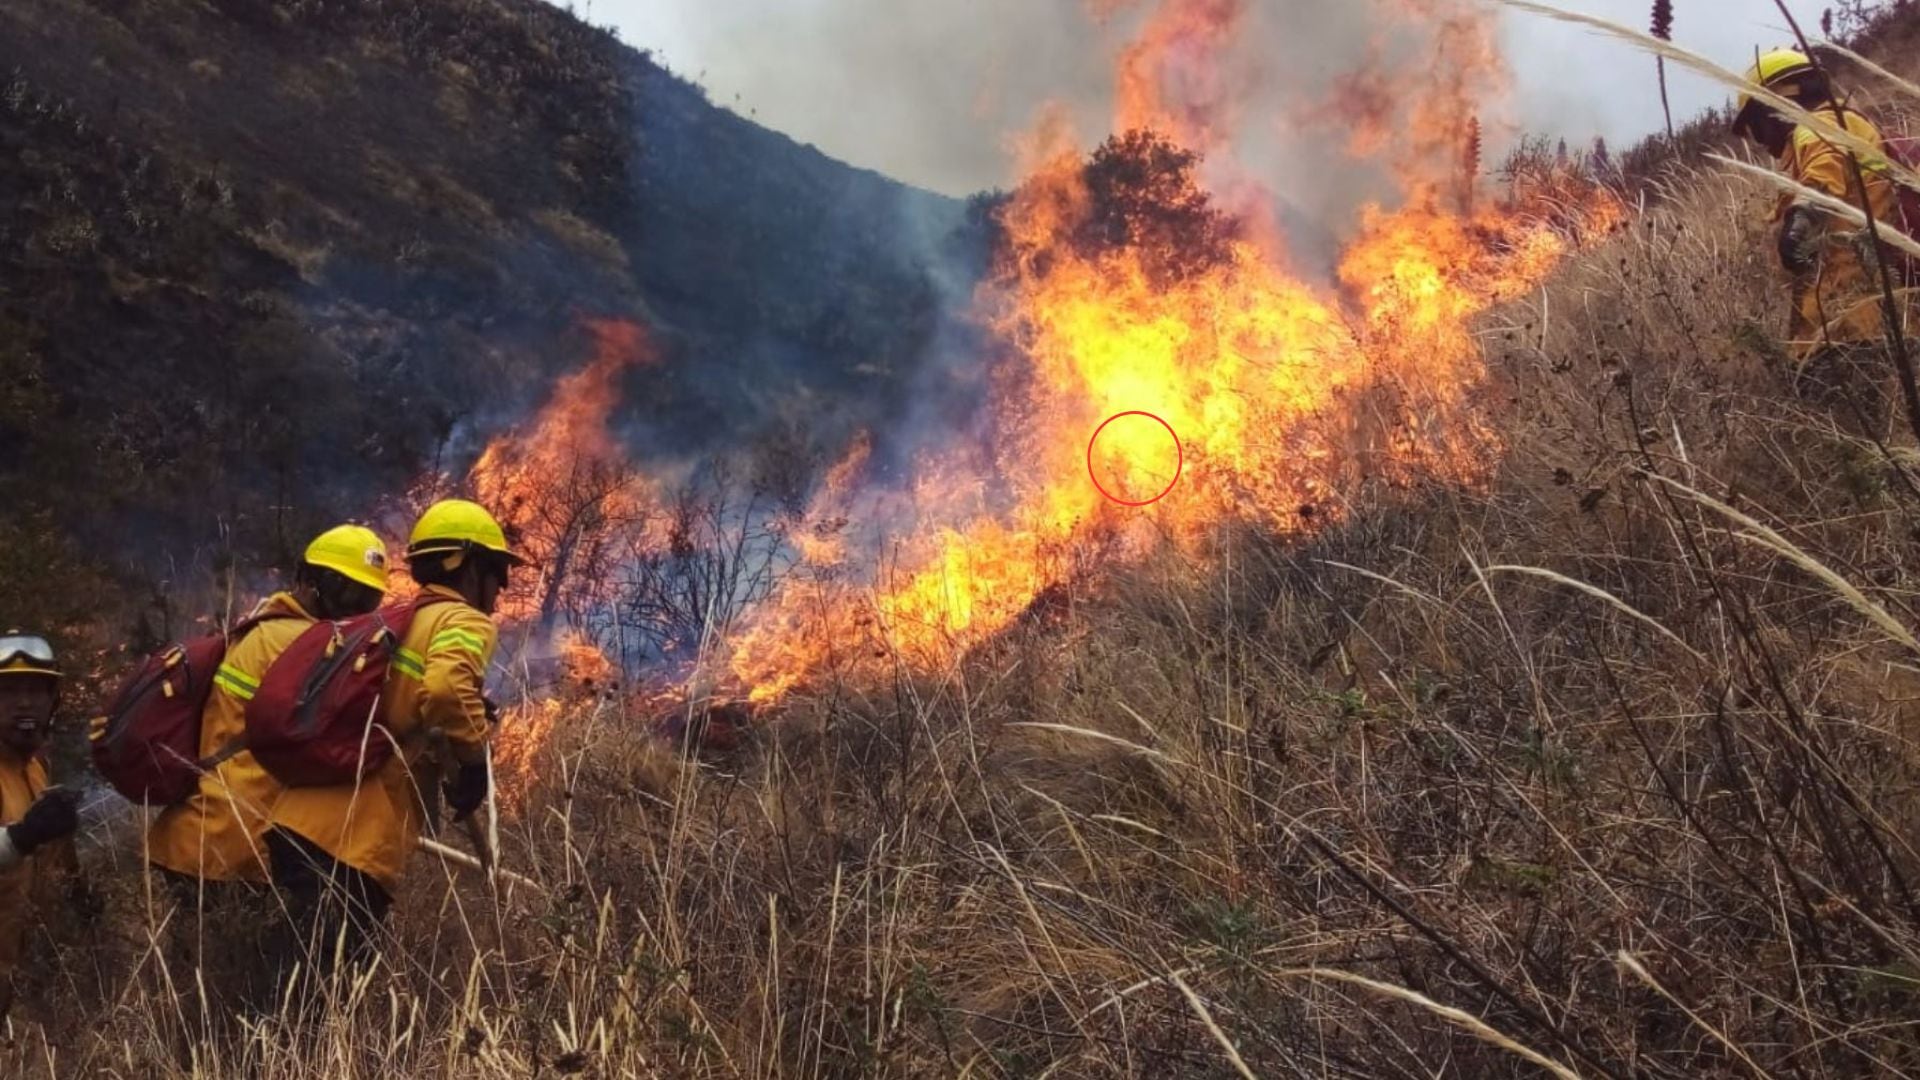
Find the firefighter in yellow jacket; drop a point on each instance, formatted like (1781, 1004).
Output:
(214, 837)
(338, 852)
(208, 850)
(35, 844)
(1836, 291)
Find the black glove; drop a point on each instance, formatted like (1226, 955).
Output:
(492, 710)
(467, 790)
(52, 816)
(1797, 240)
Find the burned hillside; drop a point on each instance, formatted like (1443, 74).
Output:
(258, 249)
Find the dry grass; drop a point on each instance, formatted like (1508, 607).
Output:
(585, 240)
(1604, 770)
(1620, 781)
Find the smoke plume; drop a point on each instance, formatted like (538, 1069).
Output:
(1301, 91)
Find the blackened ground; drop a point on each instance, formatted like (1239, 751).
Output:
(261, 261)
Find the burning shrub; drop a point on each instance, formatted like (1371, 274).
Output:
(563, 486)
(1121, 288)
(1143, 198)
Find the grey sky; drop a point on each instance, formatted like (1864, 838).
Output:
(931, 90)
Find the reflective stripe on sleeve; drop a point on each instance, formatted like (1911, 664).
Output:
(410, 663)
(455, 638)
(236, 682)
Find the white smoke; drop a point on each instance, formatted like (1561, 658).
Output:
(929, 91)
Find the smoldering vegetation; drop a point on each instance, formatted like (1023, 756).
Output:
(1599, 768)
(1605, 765)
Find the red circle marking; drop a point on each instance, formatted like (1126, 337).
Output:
(1180, 458)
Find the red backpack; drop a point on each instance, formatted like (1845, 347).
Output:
(314, 720)
(147, 744)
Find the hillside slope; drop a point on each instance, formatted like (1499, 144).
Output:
(1600, 758)
(1600, 764)
(267, 258)
(1575, 767)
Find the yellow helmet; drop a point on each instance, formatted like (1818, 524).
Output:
(455, 525)
(1776, 71)
(27, 654)
(355, 552)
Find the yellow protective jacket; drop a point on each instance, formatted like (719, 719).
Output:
(25, 884)
(1838, 301)
(435, 684)
(215, 834)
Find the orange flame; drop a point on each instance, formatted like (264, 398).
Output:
(524, 731)
(1283, 395)
(1419, 116)
(1169, 78)
(585, 667)
(562, 486)
(573, 504)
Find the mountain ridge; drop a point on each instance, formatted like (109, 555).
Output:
(240, 222)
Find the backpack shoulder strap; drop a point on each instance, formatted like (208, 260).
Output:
(234, 748)
(261, 613)
(238, 744)
(400, 616)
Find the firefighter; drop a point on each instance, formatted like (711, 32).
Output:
(338, 852)
(207, 851)
(36, 845)
(1835, 328)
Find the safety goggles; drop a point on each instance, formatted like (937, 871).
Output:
(27, 654)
